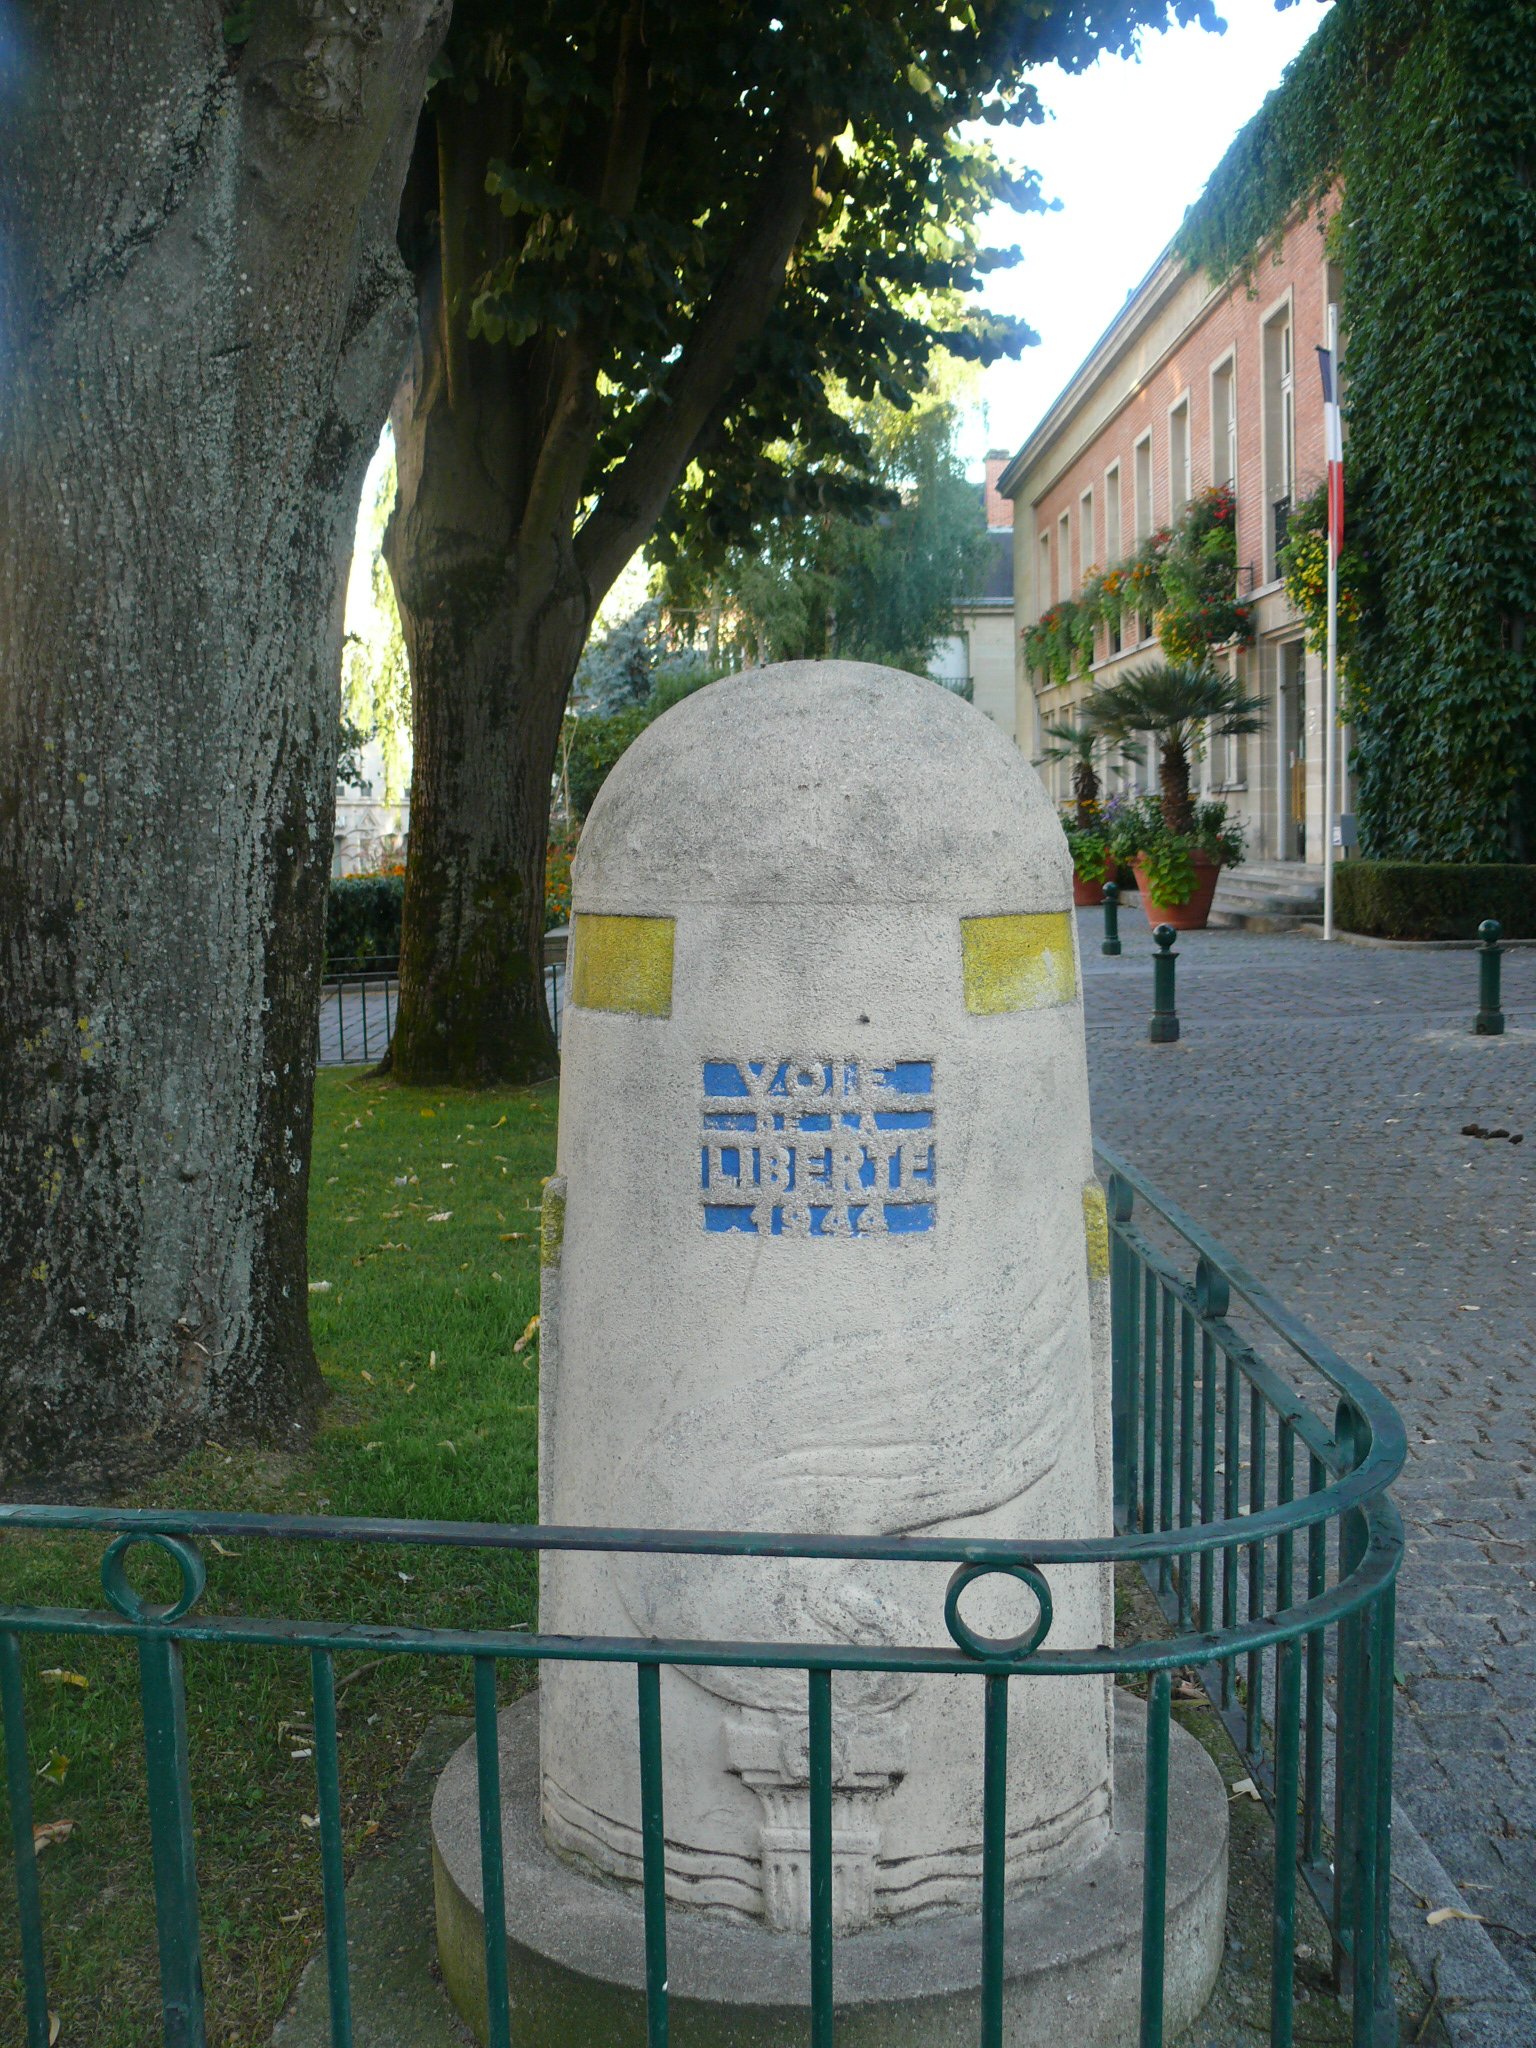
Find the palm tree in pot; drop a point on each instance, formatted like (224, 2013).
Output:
(1180, 705)
(1086, 834)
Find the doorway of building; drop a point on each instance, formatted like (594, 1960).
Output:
(1293, 751)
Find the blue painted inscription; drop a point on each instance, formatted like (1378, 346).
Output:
(818, 1147)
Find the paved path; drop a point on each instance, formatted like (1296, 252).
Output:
(1311, 1116)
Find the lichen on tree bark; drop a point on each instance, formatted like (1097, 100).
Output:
(203, 317)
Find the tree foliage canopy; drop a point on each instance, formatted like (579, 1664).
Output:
(876, 581)
(652, 158)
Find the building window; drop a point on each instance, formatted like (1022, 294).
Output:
(1143, 502)
(1114, 538)
(1063, 557)
(1224, 424)
(1178, 459)
(1279, 432)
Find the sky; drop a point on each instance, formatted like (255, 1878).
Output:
(1129, 145)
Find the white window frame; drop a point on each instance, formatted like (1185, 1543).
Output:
(1180, 488)
(1224, 462)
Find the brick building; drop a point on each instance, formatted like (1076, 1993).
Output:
(1191, 386)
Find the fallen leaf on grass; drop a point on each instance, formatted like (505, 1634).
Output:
(510, 1236)
(47, 1832)
(1245, 1788)
(287, 1919)
(440, 1216)
(57, 1675)
(54, 2023)
(498, 1123)
(528, 1334)
(223, 1551)
(368, 1376)
(1443, 1913)
(56, 1770)
(309, 1820)
(319, 1286)
(371, 1829)
(373, 1447)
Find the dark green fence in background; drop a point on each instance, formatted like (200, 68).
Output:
(1251, 1467)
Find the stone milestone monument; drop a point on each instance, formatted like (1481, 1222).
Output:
(824, 1254)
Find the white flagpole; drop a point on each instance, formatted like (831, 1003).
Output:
(1331, 693)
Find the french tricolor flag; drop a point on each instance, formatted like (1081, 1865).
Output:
(1333, 442)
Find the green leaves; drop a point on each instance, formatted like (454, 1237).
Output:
(1423, 109)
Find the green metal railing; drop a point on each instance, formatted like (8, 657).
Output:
(1250, 1475)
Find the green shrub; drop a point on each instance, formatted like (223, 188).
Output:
(362, 918)
(1402, 899)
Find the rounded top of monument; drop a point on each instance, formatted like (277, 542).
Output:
(822, 782)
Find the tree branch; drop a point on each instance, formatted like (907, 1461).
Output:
(563, 460)
(745, 290)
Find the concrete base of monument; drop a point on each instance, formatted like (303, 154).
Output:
(576, 1947)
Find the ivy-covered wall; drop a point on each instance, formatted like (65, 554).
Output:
(1425, 110)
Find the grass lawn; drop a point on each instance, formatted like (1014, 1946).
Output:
(424, 1276)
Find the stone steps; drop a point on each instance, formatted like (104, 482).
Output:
(1267, 896)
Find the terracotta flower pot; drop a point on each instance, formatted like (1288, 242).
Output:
(1190, 916)
(1085, 894)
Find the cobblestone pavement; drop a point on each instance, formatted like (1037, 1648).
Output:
(1311, 1116)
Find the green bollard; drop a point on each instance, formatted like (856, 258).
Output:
(1164, 1028)
(1489, 1022)
(1111, 919)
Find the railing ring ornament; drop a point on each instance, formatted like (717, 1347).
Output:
(998, 1649)
(131, 1604)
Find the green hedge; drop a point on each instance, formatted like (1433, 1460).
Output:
(362, 918)
(1402, 899)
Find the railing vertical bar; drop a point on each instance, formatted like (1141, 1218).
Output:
(1165, 1499)
(994, 1859)
(333, 1876)
(29, 1901)
(1232, 1458)
(362, 993)
(1312, 1783)
(1154, 1883)
(1285, 1544)
(493, 1876)
(1282, 1961)
(1122, 1296)
(653, 1848)
(1186, 1456)
(163, 1697)
(1207, 1474)
(820, 1746)
(1258, 1478)
(341, 1023)
(1133, 1388)
(1347, 1757)
(1386, 1704)
(1148, 1399)
(1367, 1636)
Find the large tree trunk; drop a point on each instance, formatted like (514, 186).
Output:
(491, 665)
(202, 318)
(500, 557)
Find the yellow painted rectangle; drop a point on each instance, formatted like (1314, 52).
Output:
(1017, 963)
(1096, 1224)
(622, 963)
